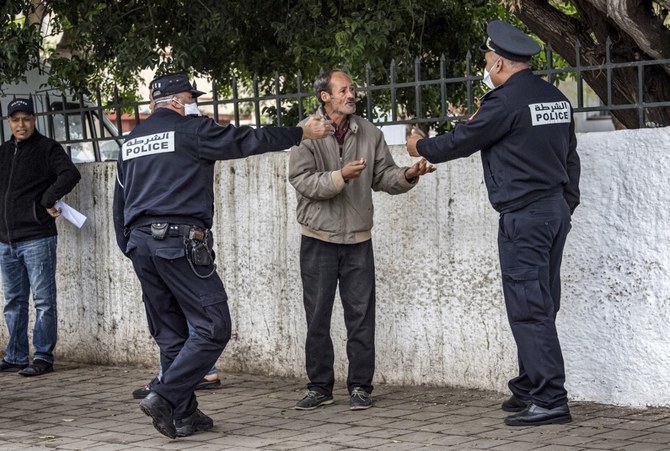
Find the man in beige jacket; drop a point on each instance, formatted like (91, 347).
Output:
(334, 179)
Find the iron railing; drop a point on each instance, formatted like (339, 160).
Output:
(256, 103)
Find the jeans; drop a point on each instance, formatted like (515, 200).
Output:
(30, 265)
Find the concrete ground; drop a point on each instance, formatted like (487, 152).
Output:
(83, 407)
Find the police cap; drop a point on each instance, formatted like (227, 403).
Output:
(509, 42)
(169, 85)
(25, 105)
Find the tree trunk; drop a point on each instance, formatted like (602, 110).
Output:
(37, 13)
(638, 22)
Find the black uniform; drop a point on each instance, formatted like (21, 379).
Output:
(165, 187)
(525, 132)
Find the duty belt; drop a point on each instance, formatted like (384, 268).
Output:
(187, 231)
(160, 230)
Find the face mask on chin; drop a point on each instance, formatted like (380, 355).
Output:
(487, 76)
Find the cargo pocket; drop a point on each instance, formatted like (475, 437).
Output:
(170, 253)
(523, 295)
(215, 306)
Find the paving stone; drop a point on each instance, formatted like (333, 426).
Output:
(656, 437)
(517, 446)
(90, 407)
(427, 438)
(319, 447)
(621, 434)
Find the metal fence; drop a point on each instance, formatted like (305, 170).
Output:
(99, 126)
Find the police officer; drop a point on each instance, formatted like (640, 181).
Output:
(211, 379)
(525, 132)
(163, 211)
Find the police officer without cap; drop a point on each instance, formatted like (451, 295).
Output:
(163, 210)
(525, 132)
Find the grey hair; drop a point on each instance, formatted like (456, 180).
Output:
(163, 102)
(322, 82)
(515, 64)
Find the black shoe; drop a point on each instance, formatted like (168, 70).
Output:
(360, 399)
(204, 384)
(313, 400)
(160, 410)
(515, 404)
(142, 393)
(6, 367)
(535, 415)
(37, 368)
(193, 423)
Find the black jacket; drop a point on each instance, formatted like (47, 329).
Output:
(526, 135)
(166, 167)
(34, 174)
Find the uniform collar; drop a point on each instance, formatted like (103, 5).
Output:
(512, 80)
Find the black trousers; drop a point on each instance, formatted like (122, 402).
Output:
(322, 266)
(530, 243)
(173, 295)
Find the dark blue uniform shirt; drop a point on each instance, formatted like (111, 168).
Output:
(526, 135)
(166, 167)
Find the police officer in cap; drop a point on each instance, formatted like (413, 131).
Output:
(525, 132)
(163, 212)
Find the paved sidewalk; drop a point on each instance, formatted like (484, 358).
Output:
(81, 407)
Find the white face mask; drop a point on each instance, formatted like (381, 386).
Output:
(190, 109)
(487, 76)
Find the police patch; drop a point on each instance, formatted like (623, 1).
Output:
(550, 113)
(143, 146)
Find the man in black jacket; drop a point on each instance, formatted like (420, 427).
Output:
(35, 172)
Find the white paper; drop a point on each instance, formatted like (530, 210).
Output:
(70, 213)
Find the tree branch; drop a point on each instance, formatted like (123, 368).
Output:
(563, 33)
(636, 19)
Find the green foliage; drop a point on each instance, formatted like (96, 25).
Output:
(19, 43)
(109, 42)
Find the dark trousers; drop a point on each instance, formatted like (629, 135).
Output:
(322, 266)
(530, 243)
(173, 295)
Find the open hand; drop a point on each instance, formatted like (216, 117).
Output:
(418, 169)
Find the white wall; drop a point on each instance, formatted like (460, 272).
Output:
(441, 317)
